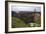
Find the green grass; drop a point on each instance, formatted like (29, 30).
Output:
(17, 22)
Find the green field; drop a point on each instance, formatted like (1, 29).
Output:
(19, 22)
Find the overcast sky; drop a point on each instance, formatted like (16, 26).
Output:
(25, 8)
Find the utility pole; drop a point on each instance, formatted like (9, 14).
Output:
(34, 14)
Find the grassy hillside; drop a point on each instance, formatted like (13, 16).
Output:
(17, 22)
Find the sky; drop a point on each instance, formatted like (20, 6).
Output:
(25, 8)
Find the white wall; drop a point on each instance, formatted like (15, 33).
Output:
(2, 17)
